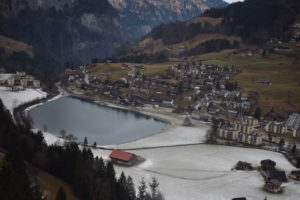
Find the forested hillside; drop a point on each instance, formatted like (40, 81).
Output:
(24, 153)
(257, 21)
(253, 22)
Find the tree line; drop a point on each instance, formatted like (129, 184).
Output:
(257, 21)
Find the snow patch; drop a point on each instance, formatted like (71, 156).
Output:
(13, 99)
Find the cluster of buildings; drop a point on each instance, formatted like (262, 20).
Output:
(190, 81)
(251, 131)
(290, 126)
(273, 177)
(243, 130)
(204, 91)
(19, 81)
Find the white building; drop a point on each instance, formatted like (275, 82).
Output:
(296, 132)
(293, 121)
(229, 134)
(251, 138)
(276, 127)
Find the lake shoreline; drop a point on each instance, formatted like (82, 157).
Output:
(166, 123)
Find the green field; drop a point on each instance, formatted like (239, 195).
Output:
(117, 72)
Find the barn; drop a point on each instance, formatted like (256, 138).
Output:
(123, 158)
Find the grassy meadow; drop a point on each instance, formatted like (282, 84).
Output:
(282, 71)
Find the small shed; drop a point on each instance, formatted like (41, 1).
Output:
(295, 175)
(264, 82)
(273, 185)
(243, 166)
(267, 164)
(123, 158)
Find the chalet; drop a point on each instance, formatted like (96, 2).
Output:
(131, 73)
(265, 82)
(124, 65)
(244, 96)
(168, 103)
(274, 174)
(267, 165)
(273, 186)
(243, 166)
(123, 158)
(295, 175)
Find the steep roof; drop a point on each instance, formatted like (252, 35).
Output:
(121, 155)
(275, 182)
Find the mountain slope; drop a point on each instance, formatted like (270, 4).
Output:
(222, 28)
(79, 30)
(140, 16)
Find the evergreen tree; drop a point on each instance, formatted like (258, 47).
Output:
(142, 190)
(45, 127)
(154, 187)
(85, 142)
(293, 149)
(110, 171)
(61, 195)
(130, 189)
(121, 187)
(218, 86)
(212, 133)
(14, 181)
(281, 142)
(180, 88)
(298, 162)
(100, 167)
(257, 113)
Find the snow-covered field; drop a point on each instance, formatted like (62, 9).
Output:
(204, 172)
(176, 135)
(201, 171)
(14, 99)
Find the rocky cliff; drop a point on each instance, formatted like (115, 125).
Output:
(84, 29)
(138, 17)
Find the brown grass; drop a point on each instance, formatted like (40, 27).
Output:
(213, 21)
(11, 45)
(50, 185)
(282, 71)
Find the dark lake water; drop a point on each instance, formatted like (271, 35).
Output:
(100, 124)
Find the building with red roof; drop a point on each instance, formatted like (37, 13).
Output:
(122, 157)
(265, 82)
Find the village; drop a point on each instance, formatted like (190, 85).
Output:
(19, 81)
(204, 94)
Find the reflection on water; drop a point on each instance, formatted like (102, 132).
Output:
(100, 124)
